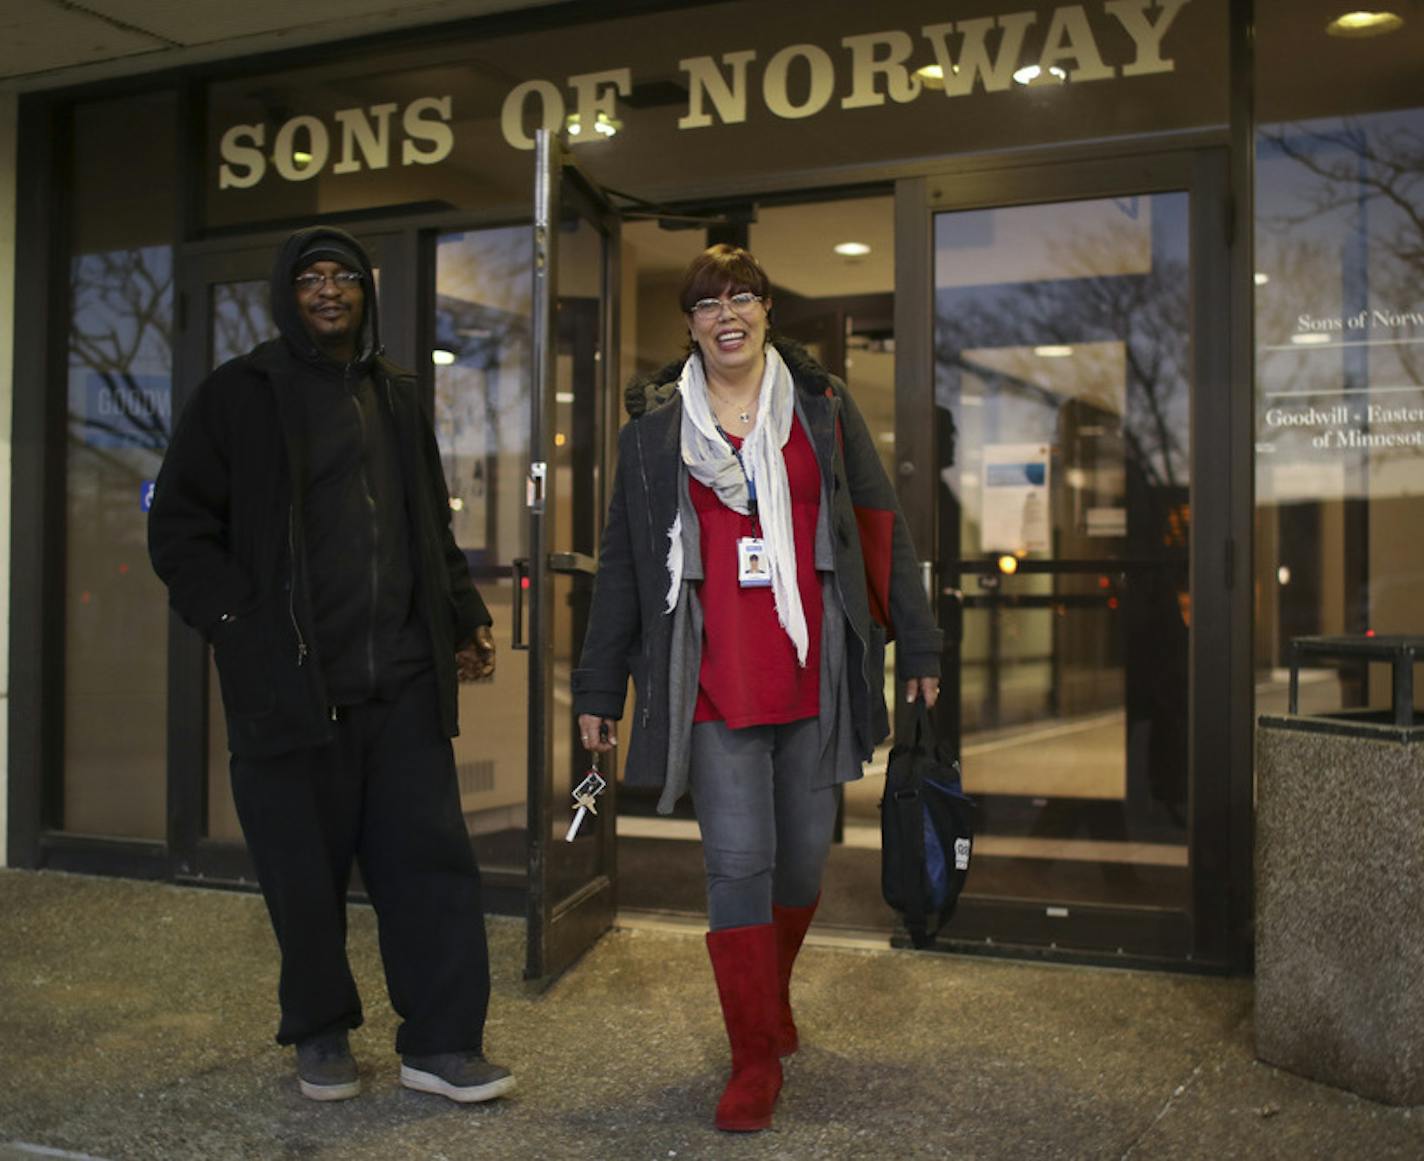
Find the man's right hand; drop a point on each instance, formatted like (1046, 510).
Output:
(598, 734)
(475, 662)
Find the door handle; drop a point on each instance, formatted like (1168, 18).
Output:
(575, 563)
(572, 562)
(519, 570)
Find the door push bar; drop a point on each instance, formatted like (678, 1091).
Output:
(519, 570)
(568, 563)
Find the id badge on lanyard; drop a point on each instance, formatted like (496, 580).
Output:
(753, 571)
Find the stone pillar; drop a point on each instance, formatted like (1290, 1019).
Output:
(1340, 903)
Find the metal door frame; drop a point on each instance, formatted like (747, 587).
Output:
(558, 931)
(1220, 495)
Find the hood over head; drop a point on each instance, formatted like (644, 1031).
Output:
(302, 249)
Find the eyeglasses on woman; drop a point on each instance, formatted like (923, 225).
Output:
(741, 303)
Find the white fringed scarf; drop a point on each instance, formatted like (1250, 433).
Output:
(709, 458)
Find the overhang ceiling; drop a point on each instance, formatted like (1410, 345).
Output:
(47, 43)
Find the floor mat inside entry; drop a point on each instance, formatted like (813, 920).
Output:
(667, 875)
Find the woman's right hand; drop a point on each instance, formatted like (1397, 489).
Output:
(598, 734)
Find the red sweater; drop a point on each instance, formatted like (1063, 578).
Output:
(750, 676)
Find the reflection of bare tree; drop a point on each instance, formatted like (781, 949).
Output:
(241, 319)
(120, 369)
(123, 320)
(1117, 411)
(483, 300)
(1144, 312)
(487, 343)
(1371, 171)
(1292, 261)
(1359, 165)
(482, 344)
(1340, 235)
(482, 339)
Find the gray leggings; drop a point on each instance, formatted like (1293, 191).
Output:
(766, 828)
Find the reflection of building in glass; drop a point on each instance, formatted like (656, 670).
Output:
(481, 401)
(120, 416)
(1068, 325)
(1339, 378)
(482, 384)
(480, 361)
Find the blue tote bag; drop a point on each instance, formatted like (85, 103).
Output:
(926, 832)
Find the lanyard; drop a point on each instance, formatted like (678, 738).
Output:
(751, 485)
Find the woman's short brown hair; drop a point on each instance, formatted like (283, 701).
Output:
(722, 269)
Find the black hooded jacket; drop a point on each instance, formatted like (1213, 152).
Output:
(258, 513)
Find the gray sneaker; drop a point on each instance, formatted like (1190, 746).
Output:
(462, 1076)
(326, 1070)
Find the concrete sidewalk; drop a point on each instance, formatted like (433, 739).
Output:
(136, 1022)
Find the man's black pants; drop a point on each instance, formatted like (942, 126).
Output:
(384, 793)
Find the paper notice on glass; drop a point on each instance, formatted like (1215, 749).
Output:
(1015, 507)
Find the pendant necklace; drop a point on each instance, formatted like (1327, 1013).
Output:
(744, 415)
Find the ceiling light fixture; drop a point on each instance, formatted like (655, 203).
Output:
(851, 249)
(1362, 24)
(603, 125)
(933, 74)
(1310, 339)
(1030, 73)
(1262, 278)
(442, 358)
(1053, 351)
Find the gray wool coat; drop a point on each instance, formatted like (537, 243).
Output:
(869, 571)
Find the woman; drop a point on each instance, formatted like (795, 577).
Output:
(752, 560)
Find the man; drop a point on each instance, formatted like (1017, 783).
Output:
(302, 525)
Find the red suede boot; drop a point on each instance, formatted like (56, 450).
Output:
(744, 962)
(791, 924)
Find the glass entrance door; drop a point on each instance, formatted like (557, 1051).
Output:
(478, 353)
(571, 877)
(1071, 404)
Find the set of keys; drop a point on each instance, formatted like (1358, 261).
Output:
(586, 797)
